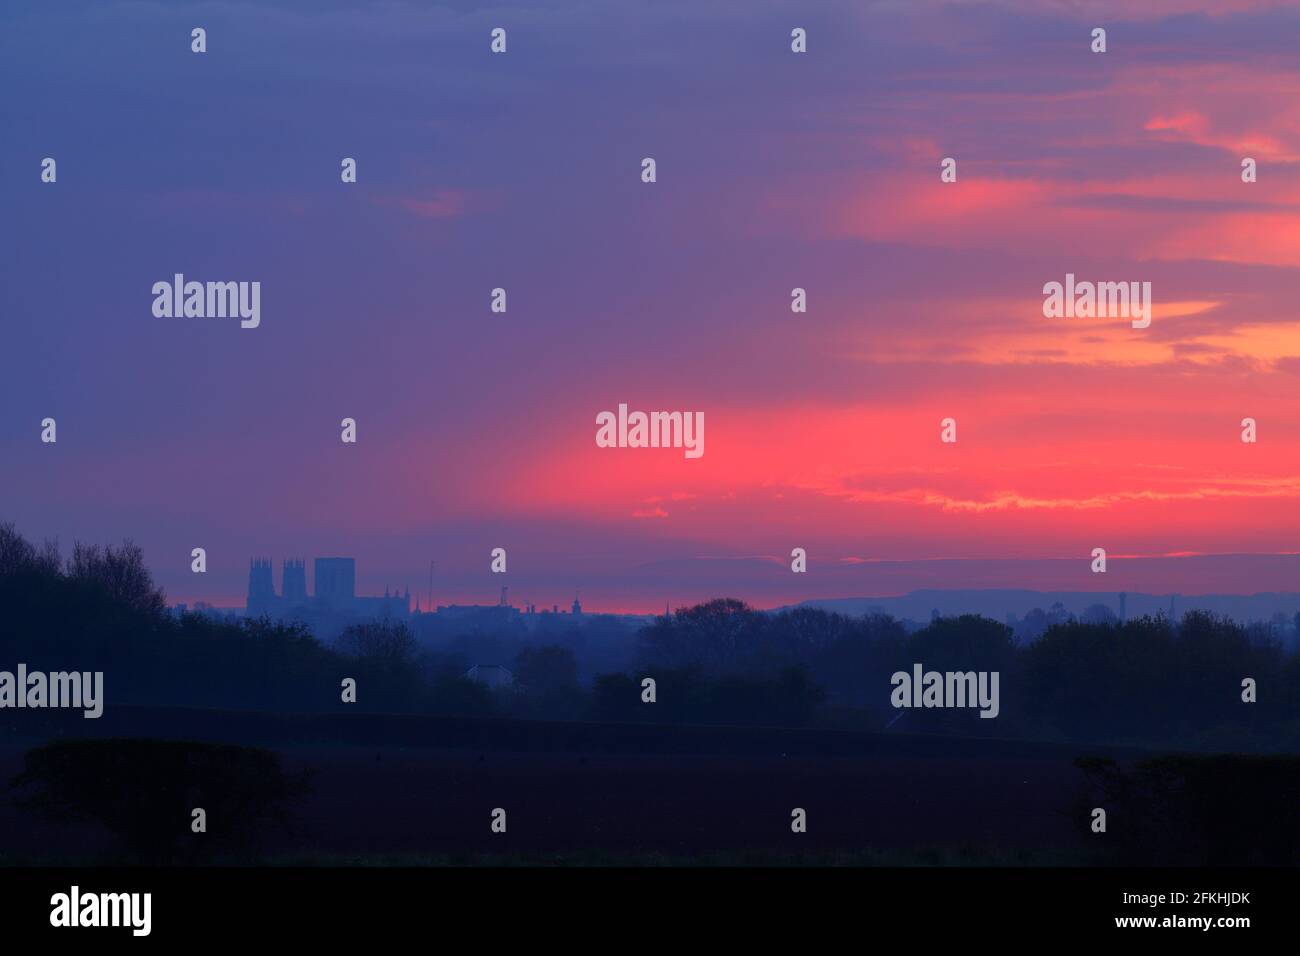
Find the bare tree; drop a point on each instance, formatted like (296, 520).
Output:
(18, 554)
(120, 572)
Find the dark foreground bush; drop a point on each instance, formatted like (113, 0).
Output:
(1222, 809)
(145, 791)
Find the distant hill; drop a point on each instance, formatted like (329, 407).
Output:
(999, 603)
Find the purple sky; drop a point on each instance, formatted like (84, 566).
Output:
(775, 170)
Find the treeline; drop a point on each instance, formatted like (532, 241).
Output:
(100, 611)
(1147, 681)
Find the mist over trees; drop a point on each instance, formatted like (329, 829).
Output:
(1146, 681)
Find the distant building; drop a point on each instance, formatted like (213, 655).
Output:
(336, 581)
(484, 614)
(493, 675)
(295, 581)
(335, 604)
(261, 587)
(388, 606)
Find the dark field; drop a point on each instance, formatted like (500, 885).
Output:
(400, 789)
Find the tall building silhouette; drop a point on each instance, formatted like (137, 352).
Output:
(336, 581)
(261, 588)
(295, 581)
(332, 607)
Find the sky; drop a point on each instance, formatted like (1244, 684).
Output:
(775, 170)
